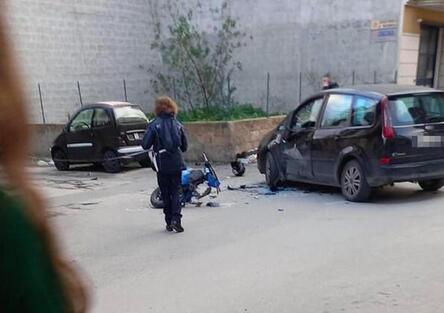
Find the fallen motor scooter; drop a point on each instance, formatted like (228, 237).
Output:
(191, 179)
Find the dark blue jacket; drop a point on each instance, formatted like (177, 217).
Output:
(167, 137)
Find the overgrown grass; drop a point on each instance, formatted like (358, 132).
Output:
(216, 113)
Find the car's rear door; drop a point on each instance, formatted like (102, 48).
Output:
(347, 126)
(418, 128)
(79, 141)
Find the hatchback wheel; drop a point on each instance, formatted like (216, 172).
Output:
(60, 160)
(354, 183)
(271, 171)
(431, 185)
(111, 162)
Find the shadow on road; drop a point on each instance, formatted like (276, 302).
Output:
(398, 194)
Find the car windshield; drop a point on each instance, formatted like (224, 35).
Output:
(129, 114)
(417, 109)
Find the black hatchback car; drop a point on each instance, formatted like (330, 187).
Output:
(107, 133)
(360, 138)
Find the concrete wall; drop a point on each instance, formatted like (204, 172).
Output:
(221, 141)
(96, 42)
(43, 137)
(101, 42)
(312, 36)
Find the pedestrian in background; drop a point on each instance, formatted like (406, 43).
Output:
(167, 137)
(34, 276)
(327, 82)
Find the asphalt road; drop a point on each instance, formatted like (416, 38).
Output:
(299, 250)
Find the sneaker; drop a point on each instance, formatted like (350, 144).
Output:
(169, 227)
(177, 227)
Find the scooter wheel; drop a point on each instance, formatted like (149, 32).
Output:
(156, 199)
(238, 168)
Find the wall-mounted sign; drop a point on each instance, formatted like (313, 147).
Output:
(384, 31)
(377, 24)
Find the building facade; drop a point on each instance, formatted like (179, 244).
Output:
(90, 50)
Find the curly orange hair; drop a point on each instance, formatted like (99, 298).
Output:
(165, 105)
(14, 141)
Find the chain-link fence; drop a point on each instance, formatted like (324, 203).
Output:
(278, 94)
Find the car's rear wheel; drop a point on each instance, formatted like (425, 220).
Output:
(271, 171)
(60, 160)
(354, 183)
(431, 185)
(111, 162)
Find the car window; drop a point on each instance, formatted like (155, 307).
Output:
(101, 118)
(82, 121)
(363, 111)
(129, 114)
(337, 111)
(417, 109)
(307, 115)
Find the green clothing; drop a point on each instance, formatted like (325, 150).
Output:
(28, 283)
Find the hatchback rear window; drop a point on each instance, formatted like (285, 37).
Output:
(417, 109)
(129, 114)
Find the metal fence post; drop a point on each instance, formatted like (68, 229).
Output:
(41, 104)
(124, 90)
(300, 87)
(353, 78)
(374, 77)
(268, 94)
(80, 93)
(396, 76)
(174, 89)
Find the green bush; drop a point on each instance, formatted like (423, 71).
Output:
(216, 113)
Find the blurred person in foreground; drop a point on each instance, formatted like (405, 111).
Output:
(34, 276)
(167, 137)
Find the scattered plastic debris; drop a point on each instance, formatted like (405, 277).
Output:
(42, 163)
(89, 203)
(213, 204)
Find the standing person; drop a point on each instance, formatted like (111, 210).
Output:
(167, 137)
(34, 275)
(327, 82)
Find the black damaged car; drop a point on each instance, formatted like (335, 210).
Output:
(358, 139)
(107, 133)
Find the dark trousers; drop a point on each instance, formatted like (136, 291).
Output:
(169, 185)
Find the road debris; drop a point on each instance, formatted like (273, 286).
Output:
(42, 163)
(213, 204)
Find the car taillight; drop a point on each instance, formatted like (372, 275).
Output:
(384, 161)
(387, 127)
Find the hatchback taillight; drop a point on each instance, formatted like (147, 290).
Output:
(387, 127)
